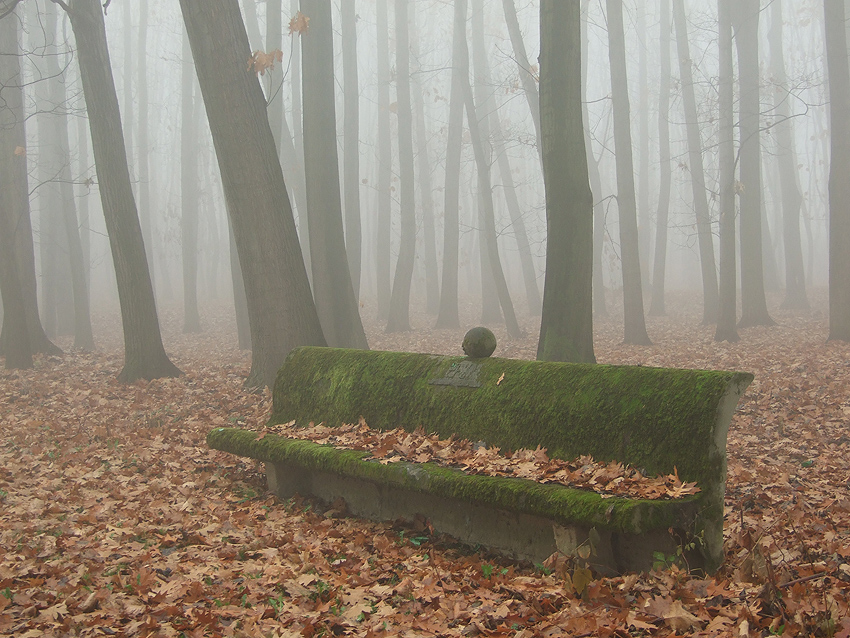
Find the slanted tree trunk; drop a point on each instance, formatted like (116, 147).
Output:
(448, 316)
(14, 340)
(332, 287)
(839, 169)
(399, 317)
(527, 76)
(745, 20)
(240, 302)
(385, 166)
(659, 270)
(727, 298)
(281, 311)
(635, 323)
(697, 172)
(144, 355)
(351, 143)
(189, 192)
(566, 330)
(792, 199)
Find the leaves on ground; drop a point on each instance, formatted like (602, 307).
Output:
(116, 519)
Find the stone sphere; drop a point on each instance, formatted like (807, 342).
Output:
(479, 342)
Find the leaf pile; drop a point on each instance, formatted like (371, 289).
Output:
(116, 519)
(392, 446)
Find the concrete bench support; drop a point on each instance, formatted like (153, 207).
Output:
(654, 419)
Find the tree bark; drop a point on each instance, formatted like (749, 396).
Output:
(745, 17)
(566, 330)
(144, 355)
(727, 298)
(351, 143)
(189, 192)
(332, 287)
(839, 168)
(659, 270)
(792, 199)
(281, 311)
(635, 323)
(448, 316)
(697, 171)
(399, 316)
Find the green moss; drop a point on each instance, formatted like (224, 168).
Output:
(558, 503)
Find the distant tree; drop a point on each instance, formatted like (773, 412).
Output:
(351, 142)
(399, 316)
(659, 270)
(18, 252)
(634, 320)
(527, 76)
(745, 21)
(384, 166)
(697, 172)
(727, 294)
(144, 355)
(835, 20)
(448, 316)
(566, 330)
(189, 191)
(332, 285)
(281, 311)
(786, 148)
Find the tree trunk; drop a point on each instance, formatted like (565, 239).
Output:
(644, 236)
(399, 317)
(635, 323)
(429, 248)
(14, 339)
(274, 42)
(839, 168)
(478, 132)
(385, 166)
(754, 312)
(240, 302)
(351, 143)
(281, 311)
(448, 316)
(144, 355)
(659, 270)
(697, 171)
(332, 287)
(792, 199)
(144, 188)
(727, 298)
(566, 330)
(189, 192)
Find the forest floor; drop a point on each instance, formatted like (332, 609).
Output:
(116, 519)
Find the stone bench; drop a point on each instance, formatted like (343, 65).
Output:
(658, 420)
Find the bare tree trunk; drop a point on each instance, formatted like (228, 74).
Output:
(478, 132)
(145, 208)
(281, 311)
(792, 199)
(635, 323)
(240, 301)
(385, 166)
(697, 171)
(644, 225)
(656, 307)
(274, 42)
(399, 317)
(745, 16)
(189, 192)
(429, 248)
(351, 143)
(144, 355)
(727, 298)
(332, 286)
(448, 316)
(839, 168)
(566, 330)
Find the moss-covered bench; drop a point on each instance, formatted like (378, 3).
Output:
(658, 420)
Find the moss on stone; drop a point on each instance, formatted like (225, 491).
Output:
(558, 503)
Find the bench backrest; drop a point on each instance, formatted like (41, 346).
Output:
(655, 419)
